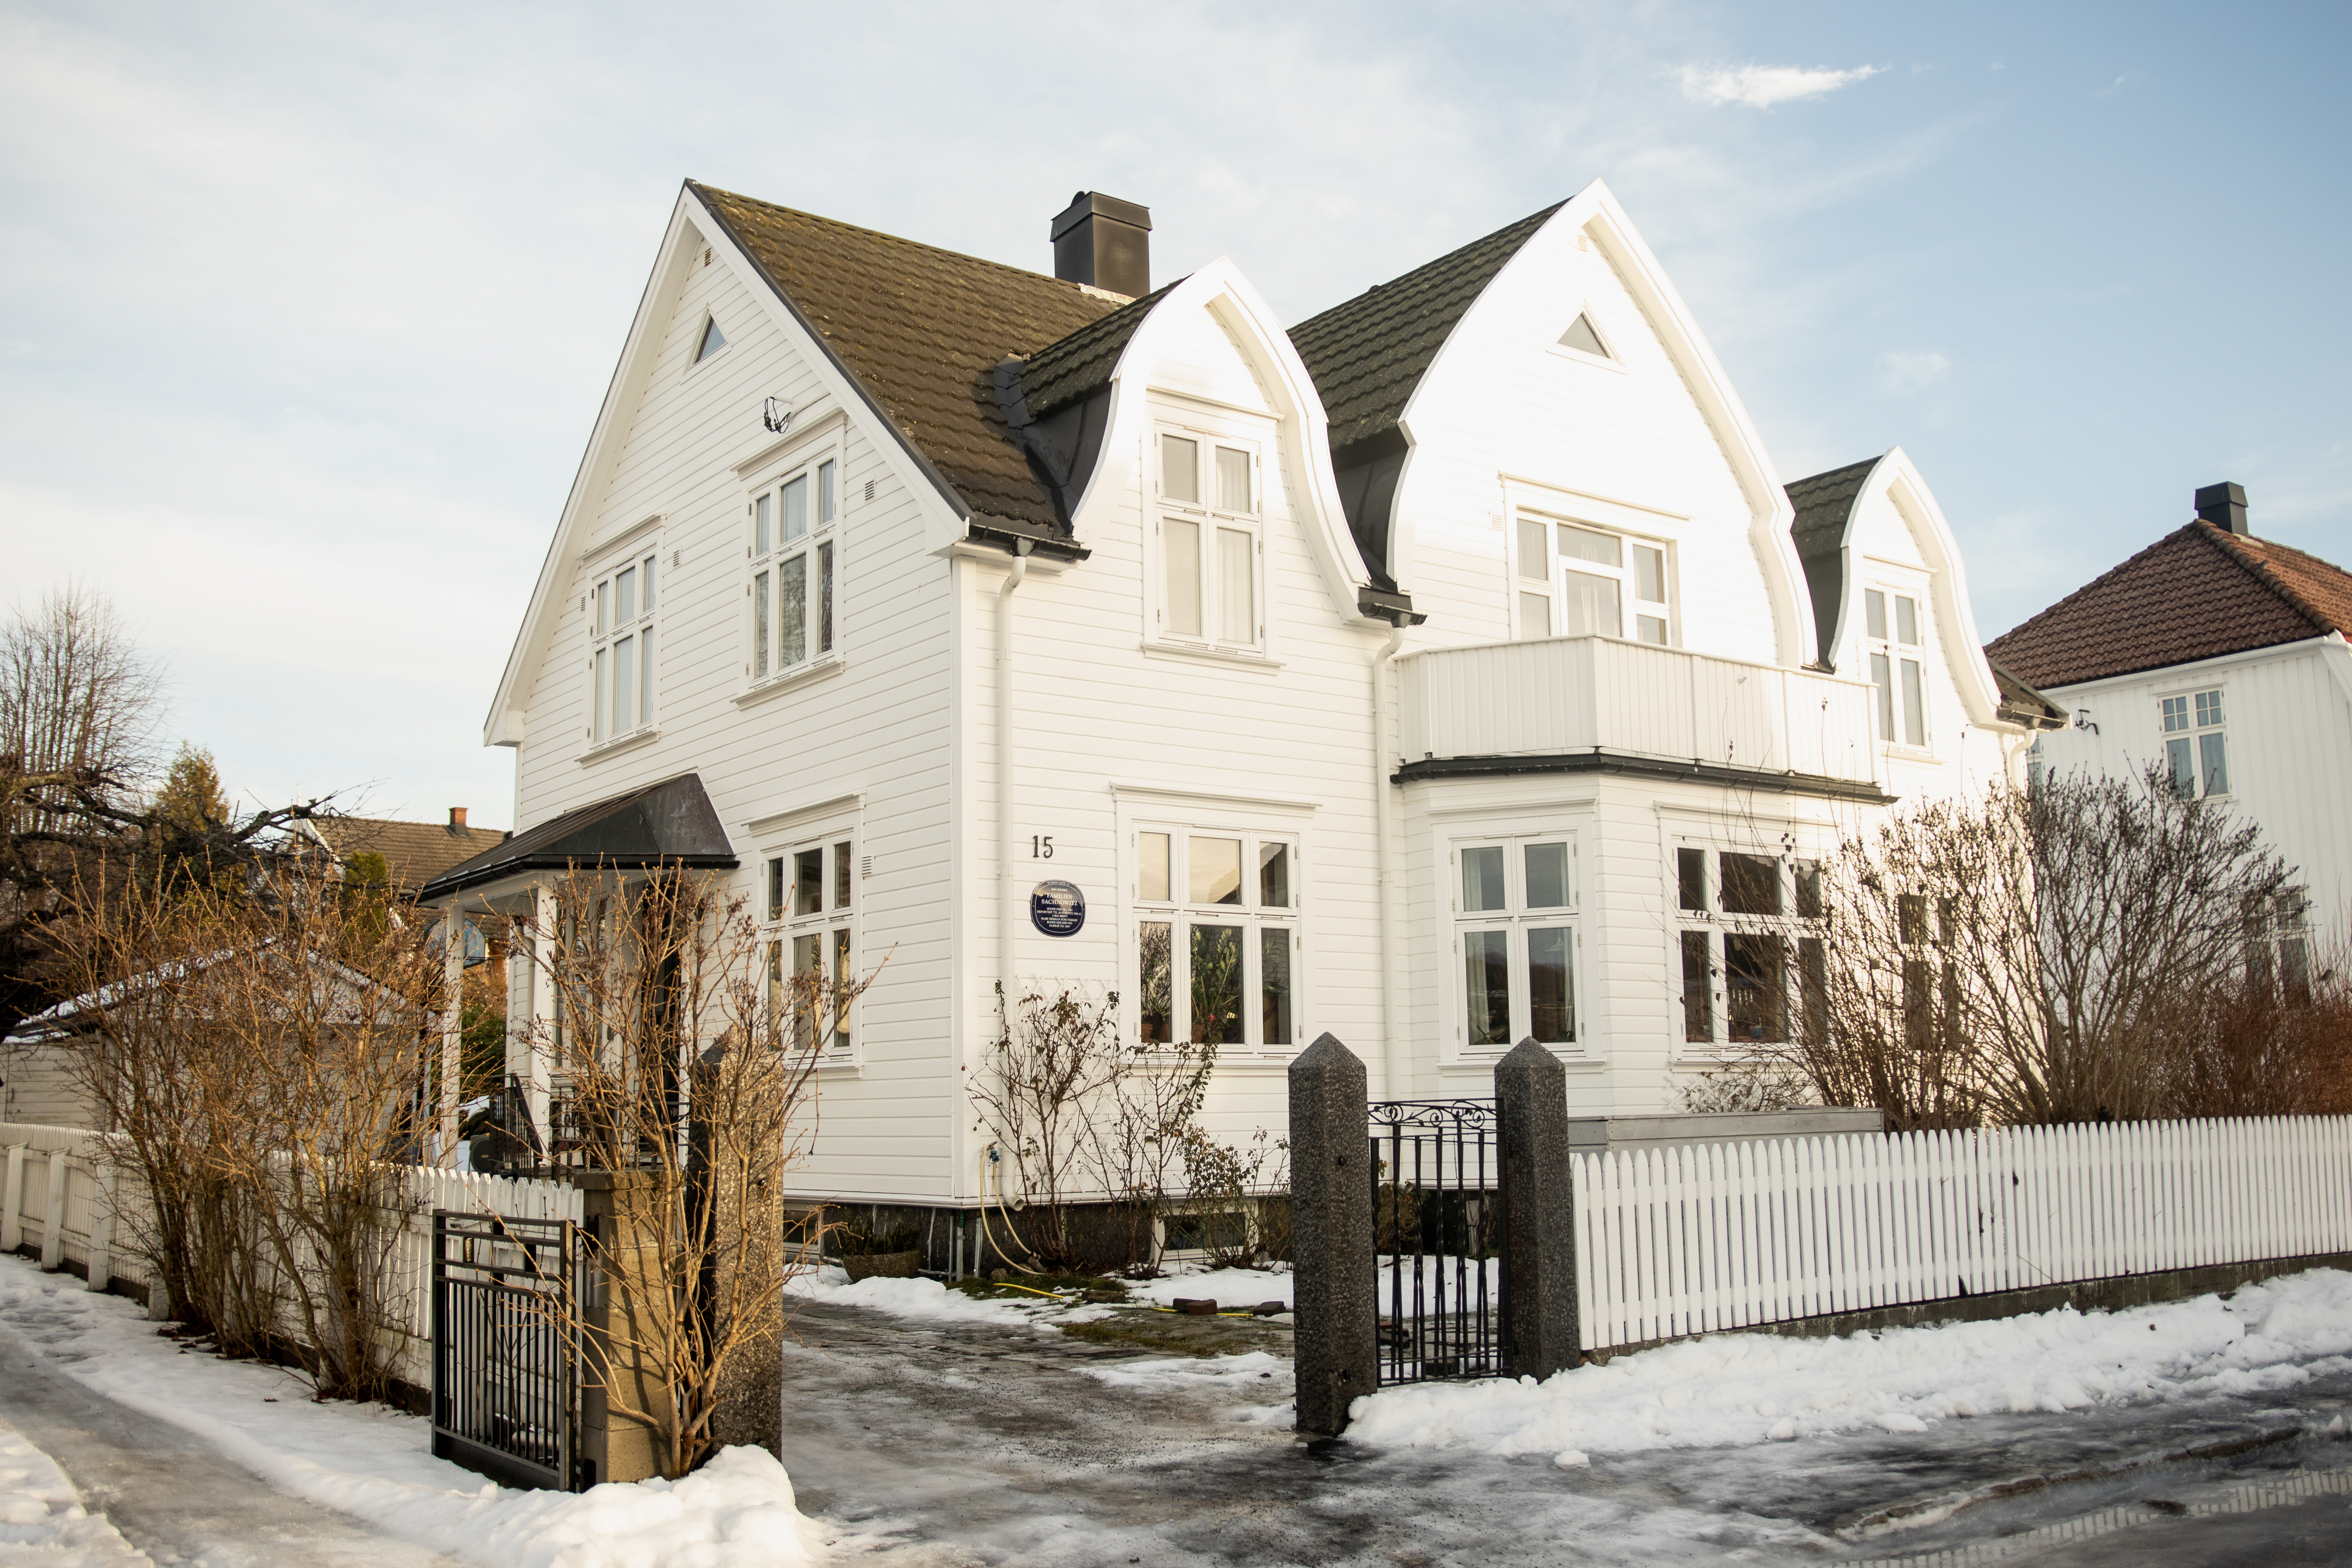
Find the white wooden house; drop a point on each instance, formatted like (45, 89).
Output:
(1449, 669)
(2219, 661)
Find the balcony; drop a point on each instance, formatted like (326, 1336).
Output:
(1572, 704)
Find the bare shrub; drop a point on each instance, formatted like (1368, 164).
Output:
(256, 1048)
(1748, 1084)
(2042, 957)
(1235, 1180)
(686, 1059)
(1044, 1094)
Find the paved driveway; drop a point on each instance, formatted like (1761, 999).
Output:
(954, 1444)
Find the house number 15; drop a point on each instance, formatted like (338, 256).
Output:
(1041, 848)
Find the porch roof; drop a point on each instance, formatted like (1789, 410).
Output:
(668, 825)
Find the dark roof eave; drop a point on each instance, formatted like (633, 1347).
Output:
(1007, 532)
(446, 886)
(1599, 761)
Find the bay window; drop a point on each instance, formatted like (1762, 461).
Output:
(621, 647)
(1211, 544)
(1747, 949)
(794, 565)
(1217, 937)
(1575, 580)
(1514, 940)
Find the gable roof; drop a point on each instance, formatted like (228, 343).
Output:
(668, 824)
(2197, 593)
(1367, 355)
(919, 331)
(416, 852)
(1824, 503)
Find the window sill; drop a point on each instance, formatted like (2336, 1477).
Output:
(1467, 1066)
(1909, 754)
(1583, 356)
(776, 685)
(1256, 662)
(629, 742)
(840, 1071)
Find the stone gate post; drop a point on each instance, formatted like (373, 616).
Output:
(1540, 1326)
(1337, 1332)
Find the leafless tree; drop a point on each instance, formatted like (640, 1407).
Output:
(2030, 957)
(685, 1058)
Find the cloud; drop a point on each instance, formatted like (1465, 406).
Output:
(1903, 372)
(1762, 87)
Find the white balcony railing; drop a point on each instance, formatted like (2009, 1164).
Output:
(1557, 696)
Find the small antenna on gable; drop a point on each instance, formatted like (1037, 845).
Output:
(778, 415)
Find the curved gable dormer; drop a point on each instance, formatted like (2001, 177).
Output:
(1874, 528)
(1629, 422)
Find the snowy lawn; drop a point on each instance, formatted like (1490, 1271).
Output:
(376, 1463)
(1727, 1390)
(928, 1300)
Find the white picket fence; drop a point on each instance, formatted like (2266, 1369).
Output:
(1696, 1237)
(60, 1196)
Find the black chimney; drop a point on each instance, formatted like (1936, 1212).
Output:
(2224, 506)
(1105, 242)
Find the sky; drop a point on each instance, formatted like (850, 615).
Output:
(306, 311)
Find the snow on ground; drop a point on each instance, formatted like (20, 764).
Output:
(1243, 1373)
(928, 1301)
(42, 1520)
(1728, 1390)
(1228, 1288)
(376, 1463)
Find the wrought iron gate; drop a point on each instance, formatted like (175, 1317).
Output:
(1437, 1240)
(506, 1361)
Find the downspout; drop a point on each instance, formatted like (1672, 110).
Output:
(1009, 898)
(1383, 753)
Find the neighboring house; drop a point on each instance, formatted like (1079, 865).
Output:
(415, 852)
(2219, 661)
(1441, 672)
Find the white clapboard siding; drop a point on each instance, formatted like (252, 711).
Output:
(1695, 1239)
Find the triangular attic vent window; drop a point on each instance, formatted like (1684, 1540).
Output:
(713, 340)
(1580, 335)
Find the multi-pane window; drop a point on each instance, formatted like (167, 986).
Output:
(811, 914)
(1577, 581)
(1217, 939)
(2278, 944)
(1515, 934)
(1210, 542)
(1752, 966)
(1897, 666)
(621, 649)
(793, 550)
(2195, 746)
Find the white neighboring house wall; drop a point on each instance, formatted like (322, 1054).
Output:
(2287, 731)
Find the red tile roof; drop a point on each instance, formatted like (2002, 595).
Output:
(2197, 593)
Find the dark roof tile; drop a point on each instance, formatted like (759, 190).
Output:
(1823, 504)
(1367, 355)
(921, 331)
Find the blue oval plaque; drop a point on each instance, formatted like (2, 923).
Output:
(1058, 909)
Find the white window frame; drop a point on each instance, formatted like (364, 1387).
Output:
(694, 358)
(2202, 733)
(1539, 583)
(1714, 923)
(1180, 912)
(1586, 356)
(1170, 512)
(839, 904)
(612, 639)
(820, 547)
(1515, 920)
(1892, 702)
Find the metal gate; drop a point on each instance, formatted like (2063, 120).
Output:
(1437, 1238)
(505, 1373)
